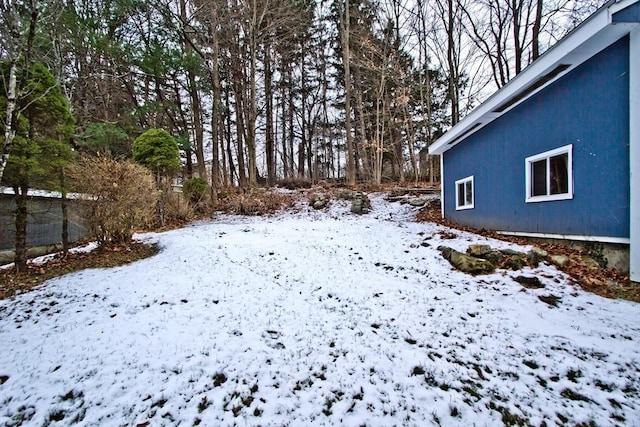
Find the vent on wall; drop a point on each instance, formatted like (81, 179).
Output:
(467, 132)
(532, 88)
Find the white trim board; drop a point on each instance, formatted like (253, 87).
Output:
(634, 154)
(528, 163)
(599, 239)
(464, 182)
(442, 186)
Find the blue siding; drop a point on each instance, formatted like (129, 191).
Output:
(629, 14)
(589, 108)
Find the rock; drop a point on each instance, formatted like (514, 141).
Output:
(360, 203)
(447, 235)
(552, 300)
(539, 252)
(494, 257)
(394, 199)
(559, 260)
(479, 251)
(515, 262)
(535, 255)
(6, 257)
(446, 252)
(510, 252)
(319, 202)
(471, 265)
(346, 195)
(530, 282)
(590, 262)
(417, 202)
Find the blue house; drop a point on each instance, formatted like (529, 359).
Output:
(555, 153)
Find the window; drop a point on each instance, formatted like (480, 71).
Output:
(464, 193)
(549, 175)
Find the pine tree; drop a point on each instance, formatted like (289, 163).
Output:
(41, 144)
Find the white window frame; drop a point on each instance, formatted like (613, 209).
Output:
(567, 149)
(473, 196)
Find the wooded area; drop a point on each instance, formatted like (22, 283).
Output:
(261, 90)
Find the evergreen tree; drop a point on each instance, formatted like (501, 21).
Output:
(41, 144)
(158, 151)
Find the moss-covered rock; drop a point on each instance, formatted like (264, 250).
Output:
(479, 251)
(467, 263)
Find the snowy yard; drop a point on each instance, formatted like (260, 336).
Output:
(315, 318)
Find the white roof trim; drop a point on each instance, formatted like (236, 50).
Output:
(600, 239)
(588, 39)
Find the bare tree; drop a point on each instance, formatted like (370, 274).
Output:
(345, 29)
(513, 33)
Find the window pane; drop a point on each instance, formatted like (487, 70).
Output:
(539, 178)
(461, 194)
(559, 177)
(469, 192)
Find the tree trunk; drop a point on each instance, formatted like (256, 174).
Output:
(215, 110)
(65, 213)
(270, 151)
(535, 36)
(196, 108)
(311, 153)
(291, 128)
(225, 132)
(345, 28)
(10, 117)
(238, 88)
(302, 146)
(20, 259)
(516, 9)
(451, 62)
(284, 127)
(411, 137)
(252, 108)
(365, 151)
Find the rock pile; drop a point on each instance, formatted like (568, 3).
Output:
(482, 259)
(361, 203)
(319, 201)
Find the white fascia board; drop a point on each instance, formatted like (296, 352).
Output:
(589, 38)
(599, 239)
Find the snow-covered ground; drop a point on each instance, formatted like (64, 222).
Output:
(315, 318)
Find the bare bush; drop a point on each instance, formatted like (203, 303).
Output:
(178, 210)
(256, 202)
(120, 197)
(294, 183)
